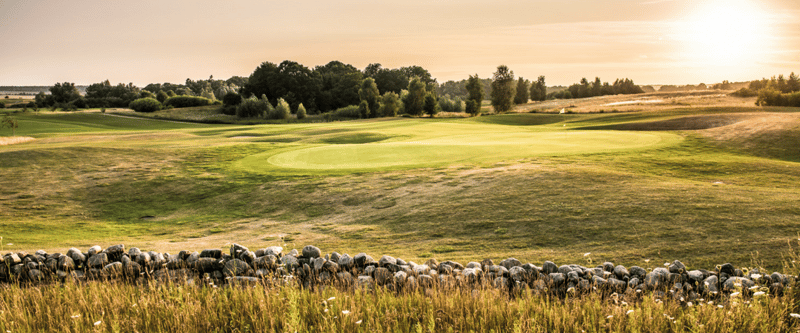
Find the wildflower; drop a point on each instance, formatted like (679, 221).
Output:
(97, 322)
(345, 311)
(735, 294)
(755, 276)
(629, 312)
(666, 264)
(332, 298)
(75, 316)
(794, 315)
(758, 293)
(587, 254)
(358, 322)
(326, 310)
(754, 288)
(720, 306)
(689, 304)
(647, 260)
(609, 317)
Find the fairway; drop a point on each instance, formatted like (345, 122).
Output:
(456, 149)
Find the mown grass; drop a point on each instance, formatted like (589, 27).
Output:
(119, 307)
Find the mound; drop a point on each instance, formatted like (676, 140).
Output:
(684, 123)
(774, 135)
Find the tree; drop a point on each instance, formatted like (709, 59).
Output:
(282, 110)
(475, 97)
(538, 90)
(415, 100)
(390, 104)
(503, 89)
(161, 96)
(369, 93)
(290, 81)
(339, 84)
(793, 84)
(363, 109)
(11, 123)
(64, 92)
(301, 111)
(430, 106)
(521, 97)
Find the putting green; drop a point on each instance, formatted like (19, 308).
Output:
(479, 147)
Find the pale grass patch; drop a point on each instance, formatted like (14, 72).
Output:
(10, 140)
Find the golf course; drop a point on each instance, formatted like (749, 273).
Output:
(705, 184)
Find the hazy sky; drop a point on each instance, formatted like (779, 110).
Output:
(649, 41)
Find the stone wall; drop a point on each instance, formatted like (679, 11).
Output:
(310, 268)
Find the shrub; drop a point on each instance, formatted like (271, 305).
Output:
(473, 107)
(301, 111)
(147, 94)
(363, 109)
(281, 111)
(161, 96)
(744, 92)
(251, 108)
(2, 105)
(148, 104)
(231, 98)
(390, 104)
(78, 103)
(184, 101)
(345, 113)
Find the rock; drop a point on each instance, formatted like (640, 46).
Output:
(236, 267)
(400, 278)
(518, 273)
(237, 249)
(473, 264)
(317, 264)
(362, 259)
(65, 263)
(608, 266)
(711, 285)
(656, 279)
(131, 269)
(273, 251)
(35, 275)
(432, 263)
(293, 253)
(510, 262)
(677, 267)
(94, 250)
(633, 283)
(98, 260)
(330, 266)
(192, 258)
(115, 252)
(617, 285)
(143, 259)
(727, 268)
(346, 262)
(335, 257)
(364, 282)
(638, 272)
(385, 260)
(472, 275)
(486, 263)
(248, 256)
(500, 282)
(620, 272)
(736, 283)
(268, 262)
(382, 276)
(290, 262)
(421, 269)
(549, 267)
(113, 270)
(211, 253)
(557, 279)
(311, 251)
(444, 269)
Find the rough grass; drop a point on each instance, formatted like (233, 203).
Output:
(702, 199)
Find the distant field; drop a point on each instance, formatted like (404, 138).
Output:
(704, 183)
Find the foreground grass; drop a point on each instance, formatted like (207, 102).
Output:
(173, 308)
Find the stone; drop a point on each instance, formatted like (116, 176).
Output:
(293, 253)
(273, 251)
(290, 262)
(711, 285)
(727, 268)
(267, 261)
(382, 276)
(549, 267)
(237, 249)
(330, 266)
(318, 263)
(94, 250)
(335, 257)
(608, 266)
(432, 263)
(677, 267)
(113, 270)
(638, 272)
(115, 252)
(243, 281)
(236, 267)
(65, 263)
(518, 273)
(617, 285)
(311, 251)
(500, 282)
(485, 263)
(211, 253)
(385, 260)
(400, 278)
(473, 264)
(98, 260)
(364, 282)
(510, 262)
(736, 283)
(620, 272)
(346, 262)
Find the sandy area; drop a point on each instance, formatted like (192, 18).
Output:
(10, 140)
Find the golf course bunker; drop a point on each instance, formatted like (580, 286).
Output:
(485, 147)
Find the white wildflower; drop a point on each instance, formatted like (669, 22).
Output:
(735, 294)
(629, 312)
(689, 304)
(794, 315)
(720, 306)
(609, 317)
(345, 311)
(97, 322)
(75, 316)
(358, 322)
(587, 254)
(326, 310)
(755, 276)
(758, 293)
(332, 298)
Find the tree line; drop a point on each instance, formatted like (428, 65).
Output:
(776, 91)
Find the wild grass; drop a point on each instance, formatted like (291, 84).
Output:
(122, 307)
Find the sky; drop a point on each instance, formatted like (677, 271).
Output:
(648, 41)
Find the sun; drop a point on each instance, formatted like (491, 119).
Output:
(726, 33)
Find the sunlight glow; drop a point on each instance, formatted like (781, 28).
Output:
(726, 33)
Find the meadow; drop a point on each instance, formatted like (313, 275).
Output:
(705, 180)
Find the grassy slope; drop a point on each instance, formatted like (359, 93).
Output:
(697, 200)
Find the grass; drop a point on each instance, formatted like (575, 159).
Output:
(119, 307)
(553, 191)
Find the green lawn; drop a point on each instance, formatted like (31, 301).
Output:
(534, 186)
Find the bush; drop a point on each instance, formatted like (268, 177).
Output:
(2, 105)
(745, 92)
(473, 107)
(301, 111)
(251, 108)
(148, 104)
(184, 101)
(281, 111)
(363, 109)
(162, 96)
(79, 103)
(345, 113)
(231, 98)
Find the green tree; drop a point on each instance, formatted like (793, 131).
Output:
(363, 109)
(390, 104)
(64, 92)
(301, 111)
(538, 90)
(11, 123)
(521, 97)
(503, 89)
(475, 95)
(339, 84)
(415, 99)
(793, 84)
(430, 106)
(282, 110)
(161, 96)
(369, 93)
